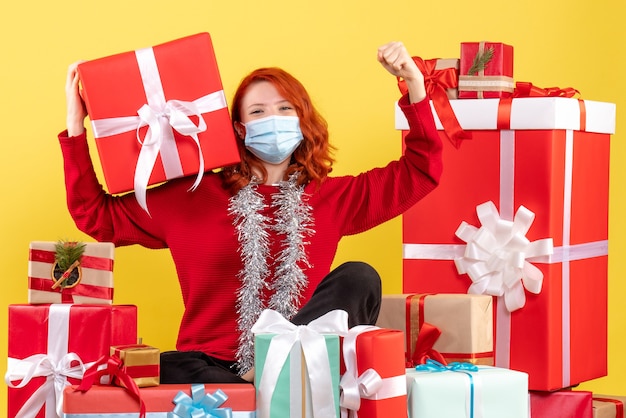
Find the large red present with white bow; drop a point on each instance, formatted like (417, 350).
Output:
(158, 113)
(537, 169)
(50, 346)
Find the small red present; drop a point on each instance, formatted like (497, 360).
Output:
(373, 384)
(485, 70)
(158, 113)
(561, 403)
(51, 346)
(185, 399)
(90, 280)
(549, 156)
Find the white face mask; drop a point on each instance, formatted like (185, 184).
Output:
(274, 138)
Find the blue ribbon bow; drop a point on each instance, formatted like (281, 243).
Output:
(435, 366)
(200, 404)
(462, 367)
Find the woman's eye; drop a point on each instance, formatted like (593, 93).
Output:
(286, 108)
(256, 112)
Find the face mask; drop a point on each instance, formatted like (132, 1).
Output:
(274, 138)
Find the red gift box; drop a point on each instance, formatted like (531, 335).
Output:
(95, 283)
(494, 79)
(561, 403)
(57, 342)
(111, 400)
(140, 362)
(374, 382)
(539, 160)
(183, 127)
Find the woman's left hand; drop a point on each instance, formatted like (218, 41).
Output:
(396, 59)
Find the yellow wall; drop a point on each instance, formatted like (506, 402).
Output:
(331, 46)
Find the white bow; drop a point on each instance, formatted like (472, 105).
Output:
(56, 374)
(496, 254)
(315, 353)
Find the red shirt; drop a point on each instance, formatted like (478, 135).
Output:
(199, 231)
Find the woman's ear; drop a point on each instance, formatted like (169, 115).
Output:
(240, 129)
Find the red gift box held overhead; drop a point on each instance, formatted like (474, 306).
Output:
(158, 113)
(51, 346)
(539, 158)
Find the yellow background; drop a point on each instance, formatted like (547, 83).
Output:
(330, 46)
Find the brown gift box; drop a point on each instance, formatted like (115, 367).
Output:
(442, 64)
(465, 322)
(608, 406)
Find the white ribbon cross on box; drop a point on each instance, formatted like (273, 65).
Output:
(367, 385)
(56, 366)
(162, 117)
(311, 339)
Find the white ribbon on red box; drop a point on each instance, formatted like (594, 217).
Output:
(162, 117)
(367, 385)
(56, 366)
(564, 254)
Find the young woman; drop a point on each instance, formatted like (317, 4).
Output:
(263, 233)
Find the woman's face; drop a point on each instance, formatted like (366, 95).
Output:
(263, 100)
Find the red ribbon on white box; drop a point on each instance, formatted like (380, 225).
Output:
(367, 385)
(564, 254)
(56, 366)
(162, 117)
(311, 339)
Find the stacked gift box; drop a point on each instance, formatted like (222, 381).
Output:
(521, 217)
(72, 352)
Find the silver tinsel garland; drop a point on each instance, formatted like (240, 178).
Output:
(293, 222)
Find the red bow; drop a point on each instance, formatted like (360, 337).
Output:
(426, 339)
(436, 83)
(526, 89)
(113, 369)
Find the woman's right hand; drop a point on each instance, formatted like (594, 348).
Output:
(76, 110)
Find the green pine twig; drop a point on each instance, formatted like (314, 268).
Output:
(481, 61)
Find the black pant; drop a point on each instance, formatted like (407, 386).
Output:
(354, 287)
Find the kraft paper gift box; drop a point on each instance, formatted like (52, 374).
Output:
(171, 97)
(465, 323)
(139, 361)
(207, 399)
(549, 155)
(491, 80)
(58, 342)
(561, 403)
(608, 406)
(94, 282)
(466, 390)
(297, 367)
(373, 384)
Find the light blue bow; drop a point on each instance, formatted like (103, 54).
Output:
(200, 404)
(461, 367)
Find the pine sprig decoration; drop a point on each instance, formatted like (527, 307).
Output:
(67, 253)
(480, 61)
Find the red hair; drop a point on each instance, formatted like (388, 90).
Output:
(312, 158)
